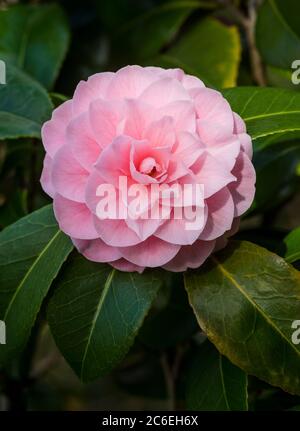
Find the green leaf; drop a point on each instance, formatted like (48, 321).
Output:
(172, 324)
(292, 243)
(280, 78)
(245, 299)
(214, 383)
(277, 32)
(266, 111)
(35, 38)
(272, 190)
(148, 33)
(96, 312)
(32, 252)
(210, 50)
(24, 106)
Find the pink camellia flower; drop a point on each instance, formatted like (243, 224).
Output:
(151, 126)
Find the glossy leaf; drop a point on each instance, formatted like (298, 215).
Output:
(266, 111)
(273, 190)
(214, 383)
(34, 38)
(277, 32)
(96, 312)
(210, 50)
(292, 243)
(24, 106)
(32, 252)
(245, 299)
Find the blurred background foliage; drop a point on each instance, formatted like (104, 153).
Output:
(49, 47)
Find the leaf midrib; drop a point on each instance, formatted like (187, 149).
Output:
(28, 272)
(96, 315)
(229, 276)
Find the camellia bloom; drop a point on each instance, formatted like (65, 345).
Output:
(151, 126)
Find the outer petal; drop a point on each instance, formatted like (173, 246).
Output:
(129, 82)
(215, 119)
(54, 130)
(86, 92)
(116, 233)
(163, 92)
(74, 218)
(220, 215)
(150, 253)
(124, 265)
(96, 250)
(191, 256)
(212, 174)
(46, 180)
(243, 190)
(68, 176)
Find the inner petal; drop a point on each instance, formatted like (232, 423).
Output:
(149, 166)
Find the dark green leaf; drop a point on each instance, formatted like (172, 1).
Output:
(24, 106)
(266, 111)
(277, 32)
(32, 252)
(149, 32)
(292, 242)
(34, 38)
(214, 383)
(272, 190)
(210, 50)
(245, 299)
(96, 312)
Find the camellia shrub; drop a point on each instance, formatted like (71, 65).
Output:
(149, 202)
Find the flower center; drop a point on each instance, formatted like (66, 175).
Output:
(149, 166)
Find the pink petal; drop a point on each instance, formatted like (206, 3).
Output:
(188, 149)
(175, 231)
(46, 180)
(68, 177)
(81, 138)
(163, 92)
(116, 232)
(150, 253)
(74, 218)
(124, 265)
(190, 82)
(115, 160)
(239, 124)
(104, 118)
(144, 228)
(86, 92)
(129, 82)
(137, 117)
(96, 250)
(91, 198)
(183, 114)
(227, 152)
(161, 133)
(190, 256)
(243, 190)
(212, 174)
(215, 119)
(54, 130)
(246, 144)
(220, 215)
